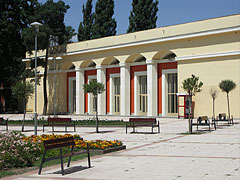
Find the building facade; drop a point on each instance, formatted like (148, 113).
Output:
(143, 71)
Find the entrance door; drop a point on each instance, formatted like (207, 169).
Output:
(72, 95)
(116, 82)
(143, 94)
(172, 87)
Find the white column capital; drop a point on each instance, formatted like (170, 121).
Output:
(149, 62)
(100, 67)
(77, 68)
(123, 64)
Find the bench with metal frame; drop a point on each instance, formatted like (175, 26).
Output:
(204, 121)
(4, 122)
(223, 118)
(142, 122)
(60, 144)
(57, 121)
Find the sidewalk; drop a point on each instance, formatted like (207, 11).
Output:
(170, 155)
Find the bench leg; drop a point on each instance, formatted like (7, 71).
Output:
(61, 161)
(158, 128)
(65, 128)
(89, 162)
(43, 128)
(74, 128)
(52, 128)
(69, 159)
(41, 165)
(126, 128)
(152, 129)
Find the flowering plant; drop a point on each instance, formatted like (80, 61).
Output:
(14, 152)
(80, 143)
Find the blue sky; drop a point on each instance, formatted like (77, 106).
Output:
(170, 12)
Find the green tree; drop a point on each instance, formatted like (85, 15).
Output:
(104, 25)
(227, 86)
(51, 16)
(85, 27)
(14, 17)
(94, 88)
(22, 91)
(143, 15)
(192, 85)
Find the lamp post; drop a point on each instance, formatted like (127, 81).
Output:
(54, 85)
(36, 28)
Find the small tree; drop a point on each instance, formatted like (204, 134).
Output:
(22, 91)
(192, 85)
(227, 86)
(213, 92)
(94, 88)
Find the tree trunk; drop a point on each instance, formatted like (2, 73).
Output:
(96, 113)
(228, 107)
(213, 108)
(190, 113)
(24, 114)
(45, 84)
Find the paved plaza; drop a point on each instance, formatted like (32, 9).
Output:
(171, 155)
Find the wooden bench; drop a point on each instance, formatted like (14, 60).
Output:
(143, 122)
(66, 122)
(204, 121)
(223, 118)
(59, 144)
(4, 122)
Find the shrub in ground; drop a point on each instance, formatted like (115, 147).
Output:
(14, 152)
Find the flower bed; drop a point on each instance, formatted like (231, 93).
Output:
(80, 143)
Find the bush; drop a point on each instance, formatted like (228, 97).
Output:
(14, 152)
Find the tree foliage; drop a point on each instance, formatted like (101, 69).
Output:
(94, 87)
(143, 15)
(192, 85)
(14, 17)
(51, 16)
(85, 27)
(227, 85)
(104, 25)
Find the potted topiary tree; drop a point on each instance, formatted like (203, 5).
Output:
(95, 88)
(227, 86)
(192, 85)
